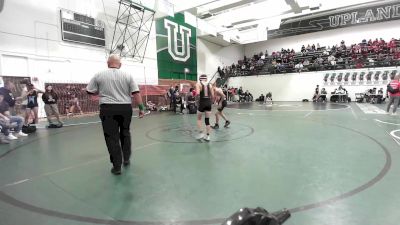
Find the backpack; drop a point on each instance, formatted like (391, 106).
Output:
(257, 216)
(391, 90)
(192, 108)
(28, 129)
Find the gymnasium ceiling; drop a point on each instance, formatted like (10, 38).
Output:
(228, 19)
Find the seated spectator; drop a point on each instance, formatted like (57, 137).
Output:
(359, 64)
(392, 45)
(261, 98)
(340, 60)
(322, 96)
(320, 60)
(260, 62)
(342, 45)
(318, 47)
(151, 106)
(280, 67)
(332, 60)
(380, 98)
(299, 67)
(371, 61)
(387, 61)
(315, 66)
(7, 121)
(268, 98)
(396, 55)
(306, 62)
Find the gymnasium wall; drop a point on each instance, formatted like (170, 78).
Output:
(298, 86)
(351, 35)
(210, 56)
(31, 45)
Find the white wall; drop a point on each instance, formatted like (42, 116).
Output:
(350, 35)
(298, 86)
(31, 45)
(210, 56)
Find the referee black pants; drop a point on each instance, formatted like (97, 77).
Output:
(116, 121)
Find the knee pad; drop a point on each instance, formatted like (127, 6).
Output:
(207, 121)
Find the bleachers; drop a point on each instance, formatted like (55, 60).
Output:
(362, 57)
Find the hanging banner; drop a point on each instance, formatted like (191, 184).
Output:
(361, 16)
(176, 48)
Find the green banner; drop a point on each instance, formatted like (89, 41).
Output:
(176, 48)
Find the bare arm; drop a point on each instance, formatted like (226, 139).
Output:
(138, 99)
(212, 92)
(3, 116)
(39, 91)
(198, 89)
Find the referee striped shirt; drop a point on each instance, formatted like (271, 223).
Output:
(114, 86)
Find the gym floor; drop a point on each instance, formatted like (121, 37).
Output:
(329, 164)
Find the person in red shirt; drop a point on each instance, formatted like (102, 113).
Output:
(394, 98)
(392, 45)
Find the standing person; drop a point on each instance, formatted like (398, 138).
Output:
(6, 119)
(205, 92)
(220, 99)
(115, 88)
(50, 99)
(75, 103)
(33, 104)
(23, 97)
(394, 97)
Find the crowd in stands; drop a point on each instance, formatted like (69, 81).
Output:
(371, 53)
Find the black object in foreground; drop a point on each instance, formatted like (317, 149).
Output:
(257, 216)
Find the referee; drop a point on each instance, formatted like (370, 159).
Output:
(115, 88)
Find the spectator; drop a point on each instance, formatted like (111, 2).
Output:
(33, 104)
(299, 67)
(371, 62)
(261, 98)
(7, 121)
(315, 66)
(323, 95)
(359, 64)
(331, 60)
(325, 52)
(50, 99)
(395, 97)
(316, 94)
(8, 96)
(387, 61)
(306, 63)
(379, 97)
(392, 45)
